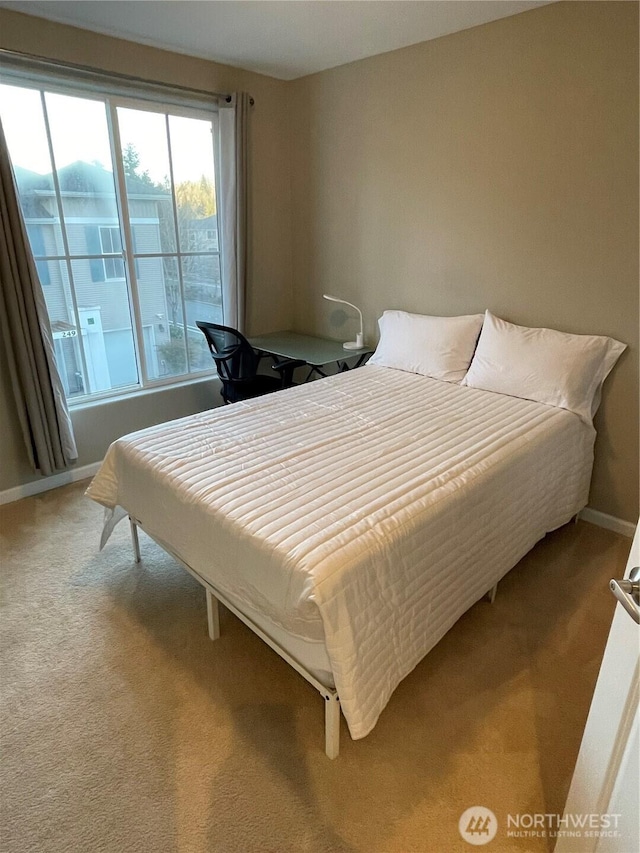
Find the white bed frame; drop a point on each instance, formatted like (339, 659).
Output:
(214, 596)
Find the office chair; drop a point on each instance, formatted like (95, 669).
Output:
(237, 364)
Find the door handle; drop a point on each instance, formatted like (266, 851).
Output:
(627, 593)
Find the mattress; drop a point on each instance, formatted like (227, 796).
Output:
(368, 510)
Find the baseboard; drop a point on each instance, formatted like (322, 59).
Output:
(601, 519)
(47, 483)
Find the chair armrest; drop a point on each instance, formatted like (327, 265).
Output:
(285, 368)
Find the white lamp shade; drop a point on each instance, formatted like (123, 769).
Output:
(359, 341)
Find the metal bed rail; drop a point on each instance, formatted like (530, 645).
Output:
(213, 597)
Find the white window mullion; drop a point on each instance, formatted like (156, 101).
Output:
(215, 144)
(125, 229)
(70, 289)
(174, 202)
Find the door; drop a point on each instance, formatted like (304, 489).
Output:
(602, 810)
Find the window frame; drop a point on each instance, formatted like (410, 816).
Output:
(153, 100)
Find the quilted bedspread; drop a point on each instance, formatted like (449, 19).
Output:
(369, 509)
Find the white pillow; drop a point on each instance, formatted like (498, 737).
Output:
(440, 347)
(542, 364)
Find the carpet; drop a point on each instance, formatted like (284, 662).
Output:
(125, 729)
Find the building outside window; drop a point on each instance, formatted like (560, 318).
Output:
(119, 200)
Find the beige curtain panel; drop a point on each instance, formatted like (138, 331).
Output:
(27, 339)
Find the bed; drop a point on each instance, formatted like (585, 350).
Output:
(351, 521)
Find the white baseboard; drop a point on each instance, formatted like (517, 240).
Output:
(47, 483)
(601, 519)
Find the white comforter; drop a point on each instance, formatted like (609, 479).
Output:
(371, 508)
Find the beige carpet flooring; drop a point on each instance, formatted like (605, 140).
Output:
(125, 729)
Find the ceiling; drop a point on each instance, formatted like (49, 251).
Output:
(281, 38)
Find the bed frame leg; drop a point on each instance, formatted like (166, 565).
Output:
(332, 725)
(134, 540)
(213, 615)
(491, 595)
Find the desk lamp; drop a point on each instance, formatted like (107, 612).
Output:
(359, 341)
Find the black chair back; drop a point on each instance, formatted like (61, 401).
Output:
(234, 356)
(236, 362)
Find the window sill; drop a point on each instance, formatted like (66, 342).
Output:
(141, 392)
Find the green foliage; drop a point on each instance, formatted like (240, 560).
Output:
(131, 163)
(131, 160)
(173, 354)
(196, 199)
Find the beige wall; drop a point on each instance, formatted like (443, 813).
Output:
(270, 293)
(494, 168)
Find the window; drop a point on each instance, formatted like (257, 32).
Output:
(111, 244)
(122, 223)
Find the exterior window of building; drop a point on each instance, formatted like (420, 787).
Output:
(111, 244)
(122, 223)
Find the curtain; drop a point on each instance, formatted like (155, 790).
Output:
(28, 342)
(233, 130)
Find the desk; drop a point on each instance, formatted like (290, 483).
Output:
(316, 352)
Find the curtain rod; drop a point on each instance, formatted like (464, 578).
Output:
(20, 57)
